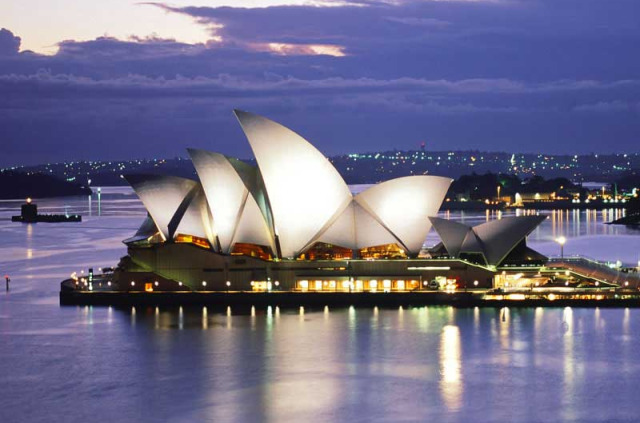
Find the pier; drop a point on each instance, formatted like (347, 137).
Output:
(102, 294)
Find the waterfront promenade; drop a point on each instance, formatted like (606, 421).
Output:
(592, 269)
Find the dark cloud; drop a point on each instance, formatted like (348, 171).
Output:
(9, 43)
(517, 75)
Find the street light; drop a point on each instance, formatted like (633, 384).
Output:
(561, 240)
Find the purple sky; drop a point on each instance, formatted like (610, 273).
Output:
(553, 76)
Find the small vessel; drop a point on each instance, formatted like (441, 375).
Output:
(29, 214)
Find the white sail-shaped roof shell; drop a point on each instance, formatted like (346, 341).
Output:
(369, 231)
(305, 191)
(162, 196)
(295, 198)
(252, 228)
(355, 228)
(237, 217)
(146, 230)
(452, 234)
(392, 212)
(499, 237)
(197, 219)
(494, 239)
(403, 206)
(339, 231)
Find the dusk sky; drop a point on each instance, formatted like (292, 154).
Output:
(120, 79)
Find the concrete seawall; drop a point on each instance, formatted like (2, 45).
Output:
(337, 299)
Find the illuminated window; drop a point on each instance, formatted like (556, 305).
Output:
(324, 251)
(387, 251)
(191, 239)
(373, 285)
(386, 285)
(148, 287)
(400, 285)
(252, 250)
(260, 286)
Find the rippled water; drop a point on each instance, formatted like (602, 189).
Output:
(194, 364)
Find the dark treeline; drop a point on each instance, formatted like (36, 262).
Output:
(16, 185)
(481, 187)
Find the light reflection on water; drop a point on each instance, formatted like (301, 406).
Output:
(273, 364)
(450, 367)
(247, 364)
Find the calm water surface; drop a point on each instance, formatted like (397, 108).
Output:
(271, 364)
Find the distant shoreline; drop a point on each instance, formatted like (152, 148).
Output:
(16, 186)
(547, 205)
(631, 220)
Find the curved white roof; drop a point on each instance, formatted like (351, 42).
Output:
(339, 231)
(494, 239)
(294, 198)
(355, 228)
(304, 190)
(403, 206)
(197, 219)
(499, 237)
(452, 234)
(164, 197)
(237, 217)
(252, 228)
(147, 229)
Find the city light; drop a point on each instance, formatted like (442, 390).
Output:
(561, 240)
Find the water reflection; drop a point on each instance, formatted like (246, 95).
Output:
(569, 367)
(450, 367)
(205, 318)
(362, 363)
(626, 322)
(148, 364)
(476, 320)
(503, 330)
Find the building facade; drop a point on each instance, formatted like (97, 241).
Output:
(292, 223)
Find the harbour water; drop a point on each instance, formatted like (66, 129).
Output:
(366, 364)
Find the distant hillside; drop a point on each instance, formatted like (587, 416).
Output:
(373, 167)
(16, 185)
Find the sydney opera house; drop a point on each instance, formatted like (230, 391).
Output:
(292, 223)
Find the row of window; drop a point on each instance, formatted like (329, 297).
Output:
(357, 285)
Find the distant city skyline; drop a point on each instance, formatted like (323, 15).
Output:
(372, 167)
(117, 80)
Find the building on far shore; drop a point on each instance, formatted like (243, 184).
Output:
(291, 223)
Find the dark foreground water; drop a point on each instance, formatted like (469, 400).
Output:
(76, 364)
